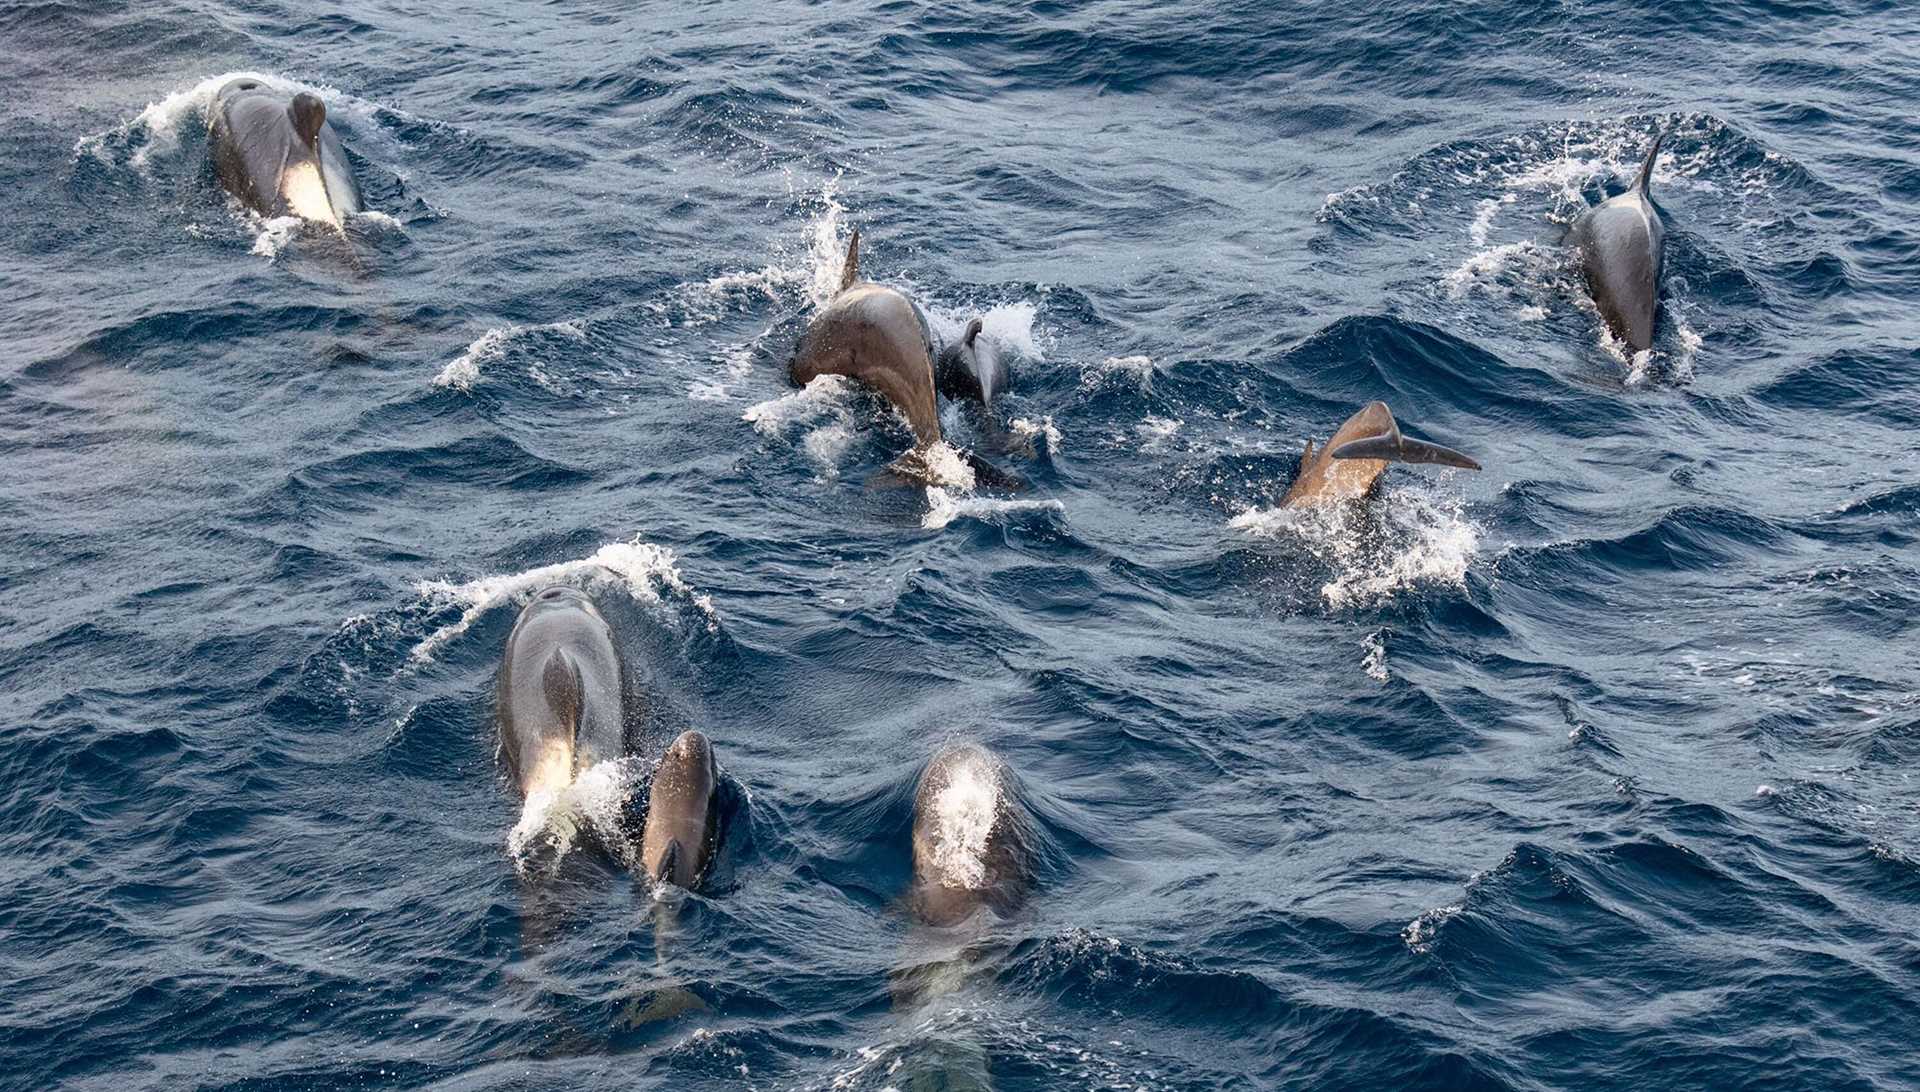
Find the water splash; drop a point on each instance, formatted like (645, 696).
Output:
(1413, 537)
(491, 347)
(640, 569)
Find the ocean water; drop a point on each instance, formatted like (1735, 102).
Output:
(1593, 770)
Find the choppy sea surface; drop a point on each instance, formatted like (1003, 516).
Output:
(1593, 770)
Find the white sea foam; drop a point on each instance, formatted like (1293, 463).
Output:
(640, 569)
(1422, 931)
(274, 233)
(944, 506)
(552, 820)
(1414, 537)
(965, 806)
(463, 371)
(1031, 430)
(1137, 369)
(1374, 663)
(826, 396)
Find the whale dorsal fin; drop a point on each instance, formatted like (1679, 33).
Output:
(308, 114)
(973, 331)
(1306, 457)
(851, 271)
(1646, 167)
(561, 681)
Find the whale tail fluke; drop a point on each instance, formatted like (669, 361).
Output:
(850, 272)
(1646, 167)
(1392, 447)
(308, 114)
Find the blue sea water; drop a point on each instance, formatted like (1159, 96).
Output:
(1593, 770)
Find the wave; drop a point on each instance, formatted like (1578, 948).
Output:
(640, 569)
(462, 372)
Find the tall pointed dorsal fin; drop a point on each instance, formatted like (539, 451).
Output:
(973, 330)
(308, 114)
(1646, 167)
(851, 271)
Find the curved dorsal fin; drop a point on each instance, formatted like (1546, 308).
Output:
(973, 331)
(308, 114)
(851, 271)
(1646, 167)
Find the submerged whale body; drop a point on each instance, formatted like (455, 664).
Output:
(278, 155)
(971, 844)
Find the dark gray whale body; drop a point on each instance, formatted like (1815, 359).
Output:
(1621, 244)
(560, 699)
(878, 336)
(972, 367)
(278, 155)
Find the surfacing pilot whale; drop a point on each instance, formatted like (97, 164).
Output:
(1350, 464)
(559, 699)
(1622, 245)
(879, 336)
(971, 844)
(683, 826)
(278, 155)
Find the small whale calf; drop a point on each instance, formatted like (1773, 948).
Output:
(1349, 465)
(278, 155)
(1621, 245)
(972, 367)
(682, 826)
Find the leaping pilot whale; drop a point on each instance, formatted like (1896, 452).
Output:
(1622, 245)
(879, 336)
(970, 841)
(682, 826)
(1352, 461)
(278, 155)
(559, 699)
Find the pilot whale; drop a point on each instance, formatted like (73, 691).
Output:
(559, 698)
(278, 155)
(1621, 245)
(878, 336)
(970, 840)
(1350, 464)
(682, 828)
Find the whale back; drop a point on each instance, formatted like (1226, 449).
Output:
(1622, 246)
(681, 831)
(876, 335)
(972, 367)
(279, 155)
(558, 698)
(970, 845)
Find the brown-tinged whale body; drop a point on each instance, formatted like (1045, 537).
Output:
(1349, 465)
